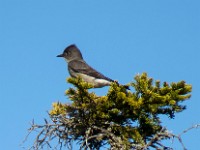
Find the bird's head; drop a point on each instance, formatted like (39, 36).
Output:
(71, 53)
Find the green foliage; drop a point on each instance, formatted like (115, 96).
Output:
(131, 117)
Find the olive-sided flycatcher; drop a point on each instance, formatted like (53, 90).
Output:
(77, 67)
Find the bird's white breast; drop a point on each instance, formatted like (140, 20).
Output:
(97, 83)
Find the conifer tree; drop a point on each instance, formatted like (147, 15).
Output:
(120, 120)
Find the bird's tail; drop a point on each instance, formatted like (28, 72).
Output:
(125, 86)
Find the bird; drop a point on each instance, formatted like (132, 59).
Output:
(77, 67)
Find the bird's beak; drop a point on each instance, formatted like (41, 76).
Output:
(61, 55)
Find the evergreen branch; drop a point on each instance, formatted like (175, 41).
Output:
(121, 119)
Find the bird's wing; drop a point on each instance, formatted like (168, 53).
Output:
(80, 66)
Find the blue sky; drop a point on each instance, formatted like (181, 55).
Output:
(118, 38)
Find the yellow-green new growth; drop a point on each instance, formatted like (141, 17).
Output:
(58, 109)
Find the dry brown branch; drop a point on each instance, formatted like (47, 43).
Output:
(61, 131)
